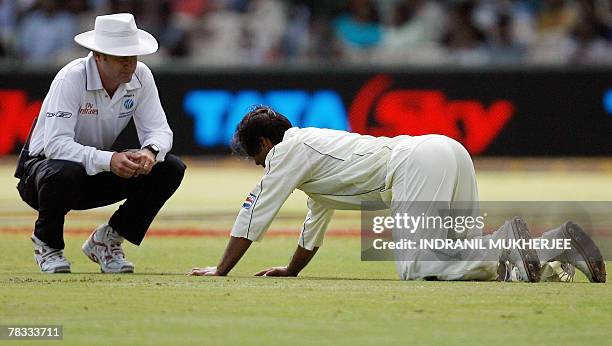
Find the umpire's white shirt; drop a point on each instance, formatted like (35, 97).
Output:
(79, 122)
(336, 169)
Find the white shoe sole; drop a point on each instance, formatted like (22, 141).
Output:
(58, 270)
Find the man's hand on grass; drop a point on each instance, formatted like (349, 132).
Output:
(276, 271)
(206, 271)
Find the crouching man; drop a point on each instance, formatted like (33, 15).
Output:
(413, 175)
(67, 164)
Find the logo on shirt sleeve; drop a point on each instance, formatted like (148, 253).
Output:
(59, 114)
(249, 201)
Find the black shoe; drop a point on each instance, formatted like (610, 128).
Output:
(518, 264)
(584, 254)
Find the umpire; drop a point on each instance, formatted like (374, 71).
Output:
(70, 166)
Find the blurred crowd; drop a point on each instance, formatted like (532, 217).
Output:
(384, 32)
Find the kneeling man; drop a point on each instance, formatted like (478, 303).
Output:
(413, 175)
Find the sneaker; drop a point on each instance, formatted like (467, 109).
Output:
(104, 247)
(584, 254)
(556, 271)
(550, 272)
(49, 260)
(506, 271)
(518, 264)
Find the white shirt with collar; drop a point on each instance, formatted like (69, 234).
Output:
(338, 170)
(79, 121)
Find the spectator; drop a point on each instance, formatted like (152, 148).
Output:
(415, 33)
(503, 47)
(359, 28)
(590, 37)
(322, 45)
(8, 22)
(554, 23)
(416, 22)
(255, 32)
(296, 39)
(464, 41)
(45, 34)
(83, 11)
(176, 22)
(216, 36)
(263, 28)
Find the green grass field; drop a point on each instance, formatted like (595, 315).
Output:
(338, 299)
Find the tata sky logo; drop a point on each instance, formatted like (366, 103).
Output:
(128, 104)
(217, 112)
(607, 101)
(383, 108)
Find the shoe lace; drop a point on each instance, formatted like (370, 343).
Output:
(114, 246)
(567, 275)
(515, 274)
(504, 273)
(116, 250)
(54, 255)
(510, 272)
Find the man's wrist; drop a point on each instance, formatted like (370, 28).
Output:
(292, 271)
(105, 158)
(222, 272)
(153, 149)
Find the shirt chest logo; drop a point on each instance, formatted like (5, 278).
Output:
(89, 109)
(128, 106)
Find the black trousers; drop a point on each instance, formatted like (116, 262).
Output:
(54, 187)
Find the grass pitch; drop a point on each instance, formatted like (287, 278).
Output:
(336, 300)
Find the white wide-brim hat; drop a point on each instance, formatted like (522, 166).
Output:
(117, 34)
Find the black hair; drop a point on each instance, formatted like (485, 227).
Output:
(260, 122)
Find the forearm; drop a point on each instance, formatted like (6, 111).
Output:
(300, 259)
(93, 160)
(236, 248)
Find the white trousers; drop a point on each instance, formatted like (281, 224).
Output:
(437, 171)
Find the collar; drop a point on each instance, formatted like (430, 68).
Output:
(290, 133)
(134, 82)
(91, 72)
(93, 76)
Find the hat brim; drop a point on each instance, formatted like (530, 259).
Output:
(147, 44)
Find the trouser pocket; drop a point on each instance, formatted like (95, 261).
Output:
(27, 191)
(27, 184)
